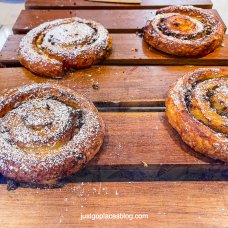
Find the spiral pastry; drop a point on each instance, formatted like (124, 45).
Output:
(197, 107)
(55, 47)
(47, 132)
(184, 31)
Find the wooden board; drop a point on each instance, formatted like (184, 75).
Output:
(83, 4)
(129, 49)
(132, 138)
(116, 21)
(118, 85)
(167, 204)
(128, 141)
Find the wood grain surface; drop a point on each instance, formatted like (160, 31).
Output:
(118, 85)
(83, 4)
(167, 204)
(116, 21)
(129, 49)
(129, 142)
(140, 141)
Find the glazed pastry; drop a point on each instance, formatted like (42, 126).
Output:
(47, 132)
(184, 31)
(55, 47)
(197, 107)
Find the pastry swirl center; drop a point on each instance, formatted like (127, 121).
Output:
(219, 100)
(182, 26)
(209, 103)
(37, 117)
(74, 33)
(40, 122)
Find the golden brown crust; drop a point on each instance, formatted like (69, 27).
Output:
(47, 132)
(191, 109)
(184, 31)
(53, 48)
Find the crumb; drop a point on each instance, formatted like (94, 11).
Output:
(144, 164)
(95, 85)
(134, 49)
(139, 34)
(12, 185)
(70, 12)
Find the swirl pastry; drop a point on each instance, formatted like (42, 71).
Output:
(47, 132)
(55, 47)
(184, 31)
(197, 107)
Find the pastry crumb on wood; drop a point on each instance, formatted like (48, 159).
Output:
(144, 164)
(139, 34)
(134, 49)
(96, 85)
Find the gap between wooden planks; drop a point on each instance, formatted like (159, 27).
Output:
(129, 49)
(181, 204)
(116, 21)
(82, 4)
(143, 86)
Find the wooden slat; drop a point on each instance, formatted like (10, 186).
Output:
(120, 85)
(117, 21)
(167, 204)
(82, 4)
(128, 141)
(129, 49)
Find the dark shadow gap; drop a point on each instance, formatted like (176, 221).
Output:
(152, 173)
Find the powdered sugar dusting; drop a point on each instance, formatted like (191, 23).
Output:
(63, 40)
(38, 121)
(30, 134)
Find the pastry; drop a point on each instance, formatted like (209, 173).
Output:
(197, 107)
(55, 47)
(47, 132)
(184, 31)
